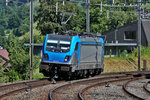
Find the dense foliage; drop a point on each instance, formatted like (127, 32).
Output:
(49, 22)
(19, 60)
(15, 19)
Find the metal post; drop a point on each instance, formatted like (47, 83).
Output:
(113, 1)
(7, 2)
(31, 39)
(144, 65)
(63, 2)
(116, 32)
(101, 8)
(139, 35)
(110, 53)
(143, 14)
(107, 13)
(88, 16)
(56, 8)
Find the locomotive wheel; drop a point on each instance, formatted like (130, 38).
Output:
(87, 75)
(69, 76)
(97, 71)
(92, 73)
(82, 74)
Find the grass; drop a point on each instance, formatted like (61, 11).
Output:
(128, 63)
(117, 65)
(37, 75)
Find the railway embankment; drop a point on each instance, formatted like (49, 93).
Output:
(123, 64)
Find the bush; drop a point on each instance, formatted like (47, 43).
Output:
(3, 78)
(37, 75)
(145, 51)
(13, 76)
(124, 53)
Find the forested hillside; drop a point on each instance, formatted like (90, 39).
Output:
(15, 26)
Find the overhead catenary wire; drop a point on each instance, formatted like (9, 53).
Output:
(124, 5)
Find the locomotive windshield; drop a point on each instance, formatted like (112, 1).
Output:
(52, 43)
(64, 45)
(58, 45)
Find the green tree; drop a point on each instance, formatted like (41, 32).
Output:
(48, 21)
(13, 21)
(77, 22)
(100, 23)
(3, 22)
(9, 11)
(19, 59)
(21, 30)
(23, 12)
(3, 76)
(2, 3)
(3, 41)
(2, 33)
(13, 76)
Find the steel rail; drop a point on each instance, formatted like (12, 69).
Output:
(82, 81)
(102, 74)
(128, 92)
(21, 82)
(27, 86)
(146, 88)
(81, 94)
(128, 73)
(133, 73)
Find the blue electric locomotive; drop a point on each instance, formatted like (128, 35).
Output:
(72, 55)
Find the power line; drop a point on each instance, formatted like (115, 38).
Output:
(138, 5)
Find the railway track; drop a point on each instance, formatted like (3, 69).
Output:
(25, 86)
(45, 87)
(145, 86)
(137, 88)
(82, 94)
(70, 91)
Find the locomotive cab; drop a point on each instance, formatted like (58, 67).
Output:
(56, 55)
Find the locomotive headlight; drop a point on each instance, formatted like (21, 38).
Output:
(67, 58)
(46, 56)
